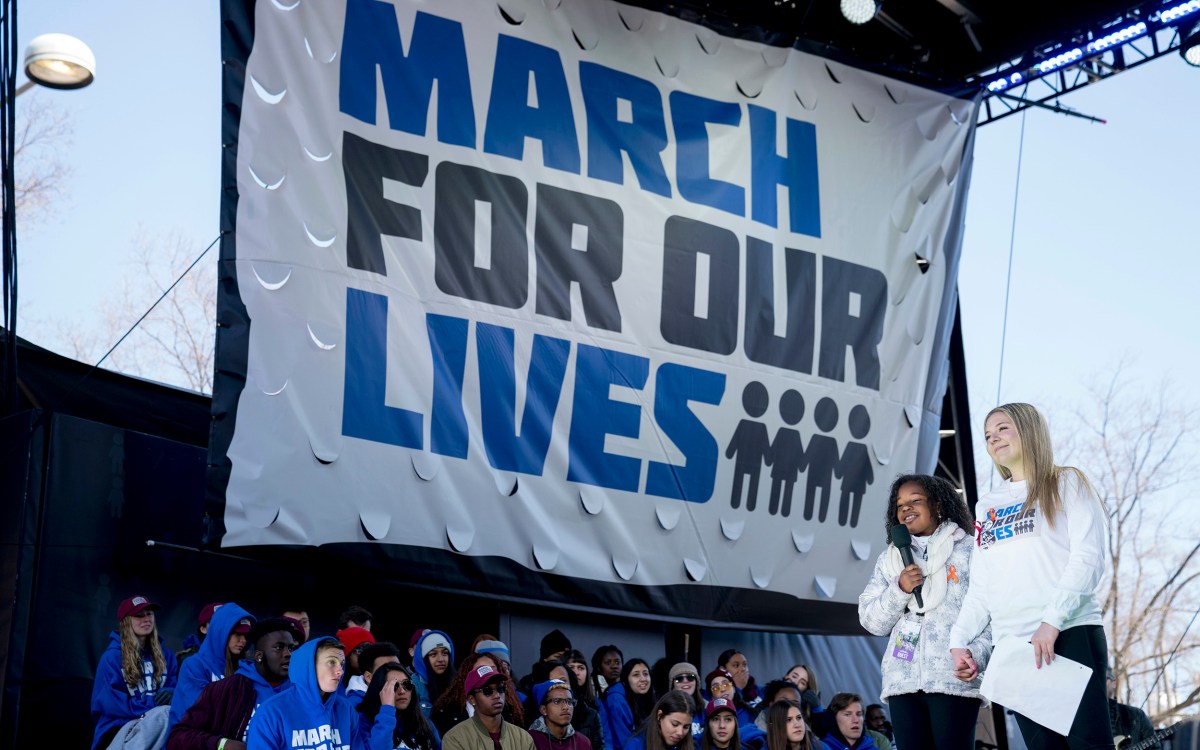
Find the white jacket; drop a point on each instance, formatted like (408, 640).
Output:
(882, 610)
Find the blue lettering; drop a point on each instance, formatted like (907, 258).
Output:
(797, 171)
(596, 415)
(447, 423)
(507, 449)
(643, 138)
(691, 114)
(676, 386)
(364, 413)
(511, 119)
(371, 40)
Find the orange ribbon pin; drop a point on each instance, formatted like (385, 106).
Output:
(952, 575)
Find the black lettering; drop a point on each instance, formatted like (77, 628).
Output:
(684, 240)
(793, 350)
(506, 282)
(595, 267)
(862, 332)
(369, 214)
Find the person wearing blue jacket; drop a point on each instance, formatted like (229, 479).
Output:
(848, 731)
(217, 658)
(389, 716)
(314, 713)
(220, 717)
(629, 702)
(136, 672)
(433, 668)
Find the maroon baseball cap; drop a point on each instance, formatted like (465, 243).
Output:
(207, 613)
(243, 626)
(480, 676)
(719, 704)
(135, 605)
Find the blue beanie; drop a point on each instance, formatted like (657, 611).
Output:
(540, 689)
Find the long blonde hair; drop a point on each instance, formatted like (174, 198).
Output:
(1042, 475)
(133, 652)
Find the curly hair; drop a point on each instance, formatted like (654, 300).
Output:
(945, 504)
(454, 697)
(135, 649)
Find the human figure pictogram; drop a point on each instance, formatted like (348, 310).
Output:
(787, 454)
(751, 444)
(820, 458)
(854, 467)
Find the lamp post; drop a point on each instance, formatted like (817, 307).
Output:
(56, 61)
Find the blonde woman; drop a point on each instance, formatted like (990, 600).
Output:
(1040, 569)
(135, 674)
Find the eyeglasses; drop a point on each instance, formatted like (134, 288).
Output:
(721, 685)
(488, 690)
(562, 701)
(688, 677)
(405, 685)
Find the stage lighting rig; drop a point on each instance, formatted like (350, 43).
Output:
(1190, 46)
(860, 11)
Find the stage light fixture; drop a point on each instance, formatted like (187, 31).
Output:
(1176, 12)
(1190, 48)
(860, 11)
(59, 61)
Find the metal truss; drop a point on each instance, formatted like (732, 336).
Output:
(1064, 68)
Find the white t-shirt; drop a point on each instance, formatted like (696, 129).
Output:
(1025, 572)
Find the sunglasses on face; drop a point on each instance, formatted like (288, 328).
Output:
(685, 677)
(405, 685)
(488, 690)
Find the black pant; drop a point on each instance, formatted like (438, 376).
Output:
(1091, 729)
(932, 721)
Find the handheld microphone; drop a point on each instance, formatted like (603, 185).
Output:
(903, 541)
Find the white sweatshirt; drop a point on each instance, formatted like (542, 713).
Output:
(1025, 572)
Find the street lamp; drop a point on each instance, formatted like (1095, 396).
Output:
(58, 61)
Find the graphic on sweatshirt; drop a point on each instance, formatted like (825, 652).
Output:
(1007, 523)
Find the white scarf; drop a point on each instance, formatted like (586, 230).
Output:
(941, 546)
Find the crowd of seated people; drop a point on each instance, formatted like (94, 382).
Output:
(266, 682)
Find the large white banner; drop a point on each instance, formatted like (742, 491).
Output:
(585, 288)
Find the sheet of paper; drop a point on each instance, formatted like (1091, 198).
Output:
(1049, 696)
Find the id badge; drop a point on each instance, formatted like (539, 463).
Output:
(906, 639)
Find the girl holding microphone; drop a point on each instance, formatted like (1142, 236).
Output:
(930, 709)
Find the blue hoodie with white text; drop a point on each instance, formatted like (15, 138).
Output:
(301, 718)
(208, 664)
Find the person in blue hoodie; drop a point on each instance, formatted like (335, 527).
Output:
(314, 713)
(433, 668)
(389, 715)
(217, 658)
(136, 672)
(220, 717)
(629, 702)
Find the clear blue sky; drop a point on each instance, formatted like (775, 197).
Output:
(1106, 243)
